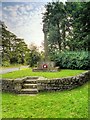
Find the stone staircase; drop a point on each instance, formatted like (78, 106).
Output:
(29, 86)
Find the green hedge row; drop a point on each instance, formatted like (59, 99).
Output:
(73, 60)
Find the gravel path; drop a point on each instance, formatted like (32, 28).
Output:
(7, 70)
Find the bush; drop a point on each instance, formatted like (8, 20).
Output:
(73, 60)
(5, 63)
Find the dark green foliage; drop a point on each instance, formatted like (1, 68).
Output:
(6, 63)
(14, 50)
(69, 25)
(69, 30)
(73, 60)
(34, 58)
(34, 55)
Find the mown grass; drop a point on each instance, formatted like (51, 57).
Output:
(28, 72)
(66, 104)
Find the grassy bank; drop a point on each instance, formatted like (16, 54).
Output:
(66, 104)
(28, 72)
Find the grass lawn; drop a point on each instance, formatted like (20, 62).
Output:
(28, 72)
(66, 104)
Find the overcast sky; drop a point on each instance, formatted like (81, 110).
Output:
(24, 19)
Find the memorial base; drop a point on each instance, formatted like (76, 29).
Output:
(48, 66)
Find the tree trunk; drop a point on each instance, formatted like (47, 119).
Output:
(63, 35)
(59, 36)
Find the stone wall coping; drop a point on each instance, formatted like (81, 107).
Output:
(8, 79)
(22, 78)
(18, 80)
(33, 77)
(42, 78)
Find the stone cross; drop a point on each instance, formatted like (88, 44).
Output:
(45, 30)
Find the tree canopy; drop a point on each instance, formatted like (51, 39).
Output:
(14, 49)
(68, 25)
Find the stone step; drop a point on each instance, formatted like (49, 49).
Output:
(31, 81)
(29, 91)
(29, 85)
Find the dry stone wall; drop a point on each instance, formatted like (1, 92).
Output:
(14, 85)
(43, 84)
(11, 85)
(66, 83)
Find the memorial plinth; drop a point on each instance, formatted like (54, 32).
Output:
(45, 65)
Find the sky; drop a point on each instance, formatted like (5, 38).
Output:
(24, 19)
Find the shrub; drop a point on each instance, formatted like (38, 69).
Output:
(5, 63)
(73, 60)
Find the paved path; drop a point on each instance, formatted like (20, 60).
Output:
(7, 70)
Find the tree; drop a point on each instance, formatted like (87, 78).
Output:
(55, 16)
(6, 43)
(14, 50)
(68, 25)
(79, 16)
(34, 55)
(84, 19)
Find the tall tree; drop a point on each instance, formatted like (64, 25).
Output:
(14, 50)
(55, 15)
(69, 25)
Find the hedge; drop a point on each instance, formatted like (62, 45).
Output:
(73, 60)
